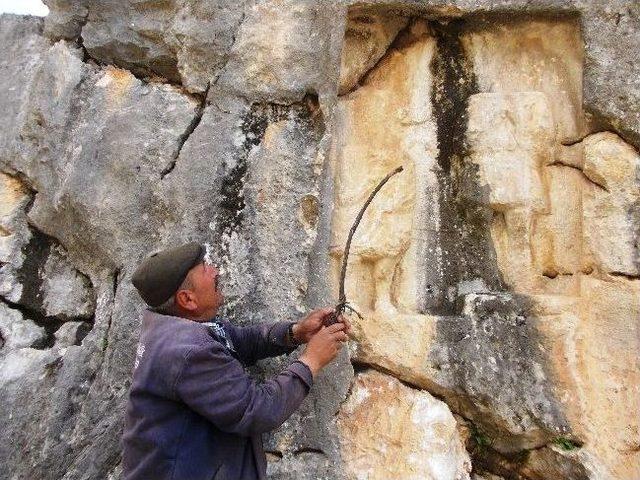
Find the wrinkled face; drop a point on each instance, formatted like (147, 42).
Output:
(207, 296)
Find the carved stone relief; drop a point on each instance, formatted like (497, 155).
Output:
(516, 187)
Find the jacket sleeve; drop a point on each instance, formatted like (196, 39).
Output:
(215, 385)
(256, 342)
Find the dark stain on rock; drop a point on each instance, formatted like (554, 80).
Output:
(31, 300)
(35, 254)
(465, 217)
(230, 211)
(538, 464)
(235, 212)
(494, 359)
(231, 207)
(454, 83)
(490, 356)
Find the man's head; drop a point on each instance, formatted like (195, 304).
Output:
(180, 282)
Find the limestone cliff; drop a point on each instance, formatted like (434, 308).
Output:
(497, 276)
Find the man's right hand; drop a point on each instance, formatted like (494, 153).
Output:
(324, 346)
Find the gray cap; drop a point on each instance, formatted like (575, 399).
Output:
(160, 275)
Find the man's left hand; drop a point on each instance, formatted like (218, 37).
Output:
(312, 323)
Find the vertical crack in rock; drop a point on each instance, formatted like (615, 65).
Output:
(105, 338)
(229, 51)
(465, 239)
(182, 139)
(35, 255)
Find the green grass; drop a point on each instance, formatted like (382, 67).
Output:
(565, 444)
(481, 440)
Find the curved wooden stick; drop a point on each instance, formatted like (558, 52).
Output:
(342, 299)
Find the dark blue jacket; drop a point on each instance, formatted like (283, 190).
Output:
(194, 413)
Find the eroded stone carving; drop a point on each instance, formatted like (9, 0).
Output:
(556, 364)
(384, 124)
(562, 214)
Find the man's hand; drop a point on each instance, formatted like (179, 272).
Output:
(324, 346)
(311, 324)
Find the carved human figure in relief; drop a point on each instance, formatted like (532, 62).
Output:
(379, 128)
(511, 138)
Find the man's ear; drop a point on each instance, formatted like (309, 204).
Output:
(186, 300)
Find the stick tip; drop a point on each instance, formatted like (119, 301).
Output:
(399, 169)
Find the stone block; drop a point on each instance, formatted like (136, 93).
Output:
(416, 433)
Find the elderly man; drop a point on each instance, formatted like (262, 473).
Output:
(194, 413)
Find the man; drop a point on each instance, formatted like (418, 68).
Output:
(193, 411)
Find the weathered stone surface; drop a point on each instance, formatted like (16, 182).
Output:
(202, 34)
(367, 37)
(157, 38)
(284, 50)
(44, 392)
(399, 131)
(185, 42)
(65, 292)
(609, 28)
(612, 72)
(14, 235)
(132, 35)
(416, 433)
(608, 373)
(17, 331)
(18, 366)
(612, 204)
(52, 138)
(94, 111)
(517, 143)
(498, 359)
(482, 363)
(499, 271)
(23, 45)
(35, 272)
(533, 56)
(66, 18)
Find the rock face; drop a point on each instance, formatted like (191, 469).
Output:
(416, 434)
(499, 272)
